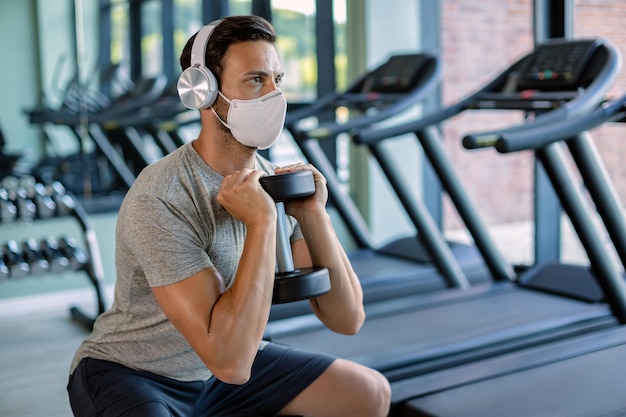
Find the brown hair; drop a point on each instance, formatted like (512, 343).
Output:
(230, 30)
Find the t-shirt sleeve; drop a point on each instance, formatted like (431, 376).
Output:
(296, 233)
(163, 241)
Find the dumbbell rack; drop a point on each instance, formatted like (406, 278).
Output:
(24, 199)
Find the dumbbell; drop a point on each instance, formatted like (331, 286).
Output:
(11, 209)
(292, 284)
(18, 194)
(64, 202)
(5, 273)
(10, 182)
(46, 206)
(51, 251)
(77, 257)
(26, 207)
(38, 264)
(36, 192)
(8, 210)
(14, 259)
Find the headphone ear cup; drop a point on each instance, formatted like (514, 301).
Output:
(197, 87)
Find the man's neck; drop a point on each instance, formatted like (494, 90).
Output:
(222, 152)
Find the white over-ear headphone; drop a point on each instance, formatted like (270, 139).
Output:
(197, 86)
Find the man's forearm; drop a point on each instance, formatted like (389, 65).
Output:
(240, 316)
(341, 309)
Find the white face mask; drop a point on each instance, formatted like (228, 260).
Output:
(256, 123)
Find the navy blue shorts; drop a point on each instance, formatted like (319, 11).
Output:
(279, 374)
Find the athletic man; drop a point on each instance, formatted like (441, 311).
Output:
(196, 256)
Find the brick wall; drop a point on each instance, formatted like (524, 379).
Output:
(605, 18)
(479, 40)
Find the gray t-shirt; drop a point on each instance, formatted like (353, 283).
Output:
(170, 226)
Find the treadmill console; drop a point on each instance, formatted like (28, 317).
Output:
(398, 75)
(557, 65)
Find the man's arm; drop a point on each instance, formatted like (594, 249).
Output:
(226, 330)
(341, 309)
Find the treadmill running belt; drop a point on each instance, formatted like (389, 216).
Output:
(391, 339)
(585, 386)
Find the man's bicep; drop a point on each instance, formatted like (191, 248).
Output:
(188, 303)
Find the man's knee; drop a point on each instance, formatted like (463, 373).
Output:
(374, 392)
(380, 398)
(345, 388)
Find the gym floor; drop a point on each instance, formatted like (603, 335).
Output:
(37, 341)
(38, 338)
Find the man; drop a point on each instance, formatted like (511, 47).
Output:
(195, 259)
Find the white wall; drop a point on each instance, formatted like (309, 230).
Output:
(392, 27)
(37, 35)
(60, 61)
(20, 75)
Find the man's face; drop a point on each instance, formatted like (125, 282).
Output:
(250, 70)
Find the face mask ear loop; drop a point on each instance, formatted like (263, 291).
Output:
(226, 125)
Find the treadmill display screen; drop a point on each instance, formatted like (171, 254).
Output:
(557, 65)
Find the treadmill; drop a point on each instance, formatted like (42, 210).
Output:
(419, 334)
(583, 375)
(420, 262)
(125, 153)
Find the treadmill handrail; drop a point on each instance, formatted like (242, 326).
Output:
(587, 100)
(294, 116)
(538, 136)
(329, 129)
(371, 135)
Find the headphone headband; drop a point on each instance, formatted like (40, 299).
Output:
(198, 49)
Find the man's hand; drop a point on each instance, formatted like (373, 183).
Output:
(243, 197)
(314, 203)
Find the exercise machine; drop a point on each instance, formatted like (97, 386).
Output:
(425, 333)
(417, 263)
(123, 130)
(582, 375)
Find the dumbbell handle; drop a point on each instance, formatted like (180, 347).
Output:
(284, 187)
(284, 257)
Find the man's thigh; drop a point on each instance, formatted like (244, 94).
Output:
(279, 374)
(101, 388)
(344, 389)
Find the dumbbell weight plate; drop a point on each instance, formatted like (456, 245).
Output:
(300, 284)
(289, 185)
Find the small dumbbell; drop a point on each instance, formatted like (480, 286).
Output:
(27, 181)
(14, 259)
(27, 186)
(35, 259)
(292, 284)
(46, 206)
(78, 258)
(10, 182)
(49, 248)
(5, 273)
(64, 202)
(8, 210)
(26, 207)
